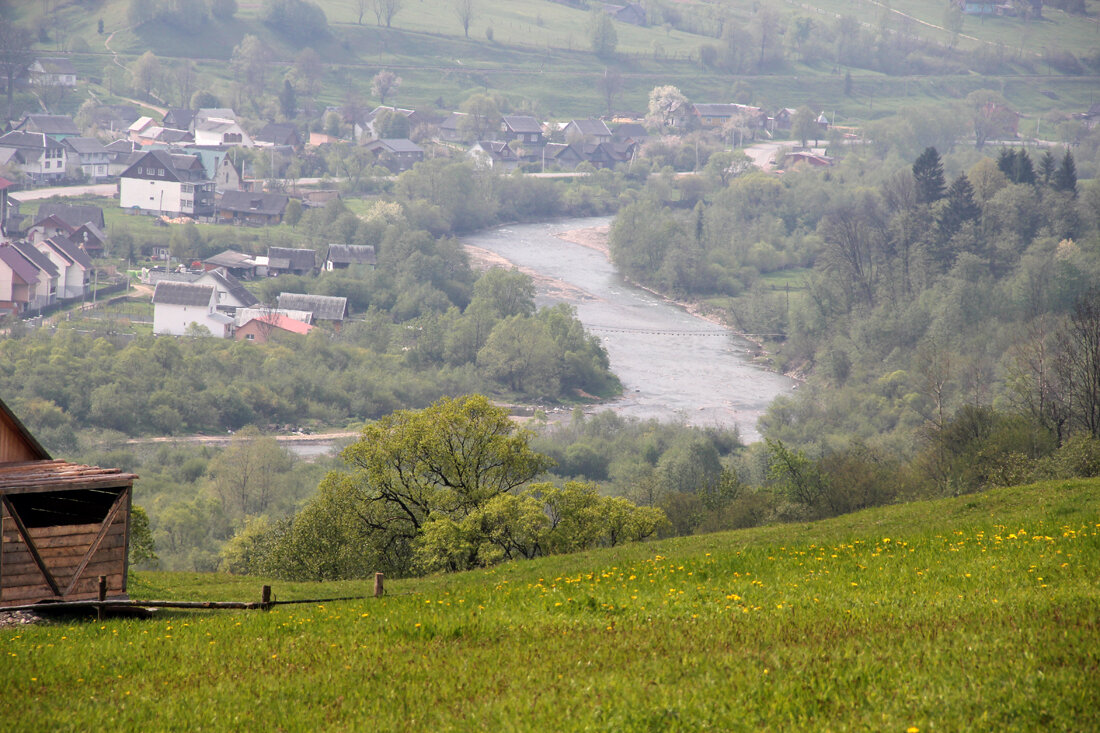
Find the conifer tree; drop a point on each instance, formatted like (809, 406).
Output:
(928, 172)
(1065, 179)
(1047, 167)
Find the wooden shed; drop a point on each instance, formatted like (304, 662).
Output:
(63, 525)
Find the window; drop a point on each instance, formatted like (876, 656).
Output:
(250, 336)
(160, 171)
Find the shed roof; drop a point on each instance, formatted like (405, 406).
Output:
(285, 258)
(29, 477)
(174, 293)
(351, 254)
(324, 307)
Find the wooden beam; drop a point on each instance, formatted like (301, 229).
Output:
(107, 522)
(30, 545)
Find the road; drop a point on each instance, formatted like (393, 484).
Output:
(35, 194)
(763, 154)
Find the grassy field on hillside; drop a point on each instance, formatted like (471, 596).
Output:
(981, 611)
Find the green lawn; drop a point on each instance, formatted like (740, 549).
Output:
(979, 611)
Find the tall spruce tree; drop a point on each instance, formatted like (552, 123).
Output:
(928, 172)
(1006, 163)
(1047, 166)
(1065, 179)
(1024, 171)
(960, 209)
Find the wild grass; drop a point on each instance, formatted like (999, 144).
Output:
(977, 611)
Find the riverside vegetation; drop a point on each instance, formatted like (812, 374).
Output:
(945, 614)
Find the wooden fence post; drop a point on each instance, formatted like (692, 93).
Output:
(102, 587)
(378, 590)
(265, 596)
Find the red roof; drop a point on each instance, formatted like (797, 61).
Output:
(5, 183)
(286, 323)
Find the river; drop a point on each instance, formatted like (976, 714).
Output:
(674, 366)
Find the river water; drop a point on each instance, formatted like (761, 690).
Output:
(674, 366)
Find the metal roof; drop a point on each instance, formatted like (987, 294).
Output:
(324, 307)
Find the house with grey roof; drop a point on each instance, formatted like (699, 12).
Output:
(497, 155)
(220, 131)
(236, 263)
(36, 155)
(52, 72)
(343, 256)
(229, 293)
(523, 128)
(58, 127)
(160, 182)
(178, 118)
(590, 130)
(450, 129)
(89, 157)
(284, 261)
(73, 265)
(397, 154)
(177, 306)
(72, 214)
(45, 293)
(323, 307)
(257, 208)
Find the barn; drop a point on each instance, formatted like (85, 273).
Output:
(65, 527)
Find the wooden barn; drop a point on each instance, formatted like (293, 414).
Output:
(64, 525)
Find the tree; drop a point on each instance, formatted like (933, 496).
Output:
(928, 172)
(990, 115)
(1047, 167)
(15, 56)
(667, 104)
(610, 86)
(385, 10)
(447, 460)
(1065, 179)
(139, 12)
(482, 117)
(464, 9)
(145, 72)
(601, 34)
(361, 6)
(250, 66)
(308, 70)
(288, 100)
(248, 475)
(767, 26)
(384, 83)
(1077, 364)
(961, 207)
(804, 124)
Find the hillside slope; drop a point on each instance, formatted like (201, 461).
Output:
(981, 610)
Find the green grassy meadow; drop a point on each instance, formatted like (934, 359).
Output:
(981, 611)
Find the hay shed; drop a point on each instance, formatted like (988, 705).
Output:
(63, 525)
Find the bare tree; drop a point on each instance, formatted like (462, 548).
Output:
(361, 6)
(464, 9)
(610, 86)
(15, 56)
(385, 10)
(1078, 363)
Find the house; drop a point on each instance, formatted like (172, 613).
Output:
(89, 238)
(592, 130)
(323, 307)
(522, 128)
(121, 154)
(114, 117)
(45, 293)
(630, 132)
(229, 293)
(631, 13)
(268, 326)
(49, 226)
(284, 260)
(52, 72)
(244, 315)
(19, 281)
(782, 119)
(58, 127)
(220, 131)
(36, 155)
(164, 136)
(228, 177)
(343, 256)
(72, 214)
(65, 526)
(237, 263)
(178, 306)
(208, 113)
(251, 207)
(807, 157)
(713, 115)
(562, 157)
(138, 127)
(178, 118)
(159, 182)
(496, 155)
(89, 156)
(450, 129)
(275, 133)
(365, 126)
(397, 154)
(73, 265)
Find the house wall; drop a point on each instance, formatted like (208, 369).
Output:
(147, 195)
(173, 320)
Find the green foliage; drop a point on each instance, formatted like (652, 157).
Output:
(601, 34)
(143, 548)
(298, 20)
